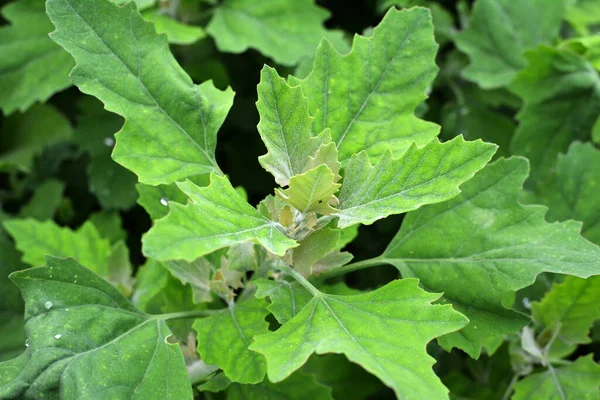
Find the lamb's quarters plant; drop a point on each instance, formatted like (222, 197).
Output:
(477, 272)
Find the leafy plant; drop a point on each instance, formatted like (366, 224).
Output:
(465, 286)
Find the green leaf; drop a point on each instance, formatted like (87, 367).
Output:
(223, 340)
(368, 97)
(285, 128)
(197, 274)
(582, 15)
(171, 124)
(298, 386)
(571, 190)
(32, 67)
(499, 33)
(45, 200)
(156, 199)
(76, 328)
(287, 298)
(108, 224)
(561, 96)
(25, 135)
(358, 326)
(177, 32)
(422, 176)
(36, 239)
(286, 31)
(113, 185)
(483, 246)
(312, 191)
(215, 217)
(574, 304)
(579, 380)
(313, 248)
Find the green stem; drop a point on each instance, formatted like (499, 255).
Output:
(186, 314)
(355, 266)
(509, 389)
(301, 280)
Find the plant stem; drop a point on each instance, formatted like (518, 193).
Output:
(186, 314)
(301, 280)
(509, 389)
(371, 262)
(556, 382)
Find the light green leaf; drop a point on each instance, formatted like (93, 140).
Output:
(483, 246)
(313, 248)
(574, 304)
(287, 298)
(583, 14)
(561, 95)
(298, 386)
(32, 67)
(37, 239)
(285, 128)
(358, 326)
(571, 190)
(499, 33)
(156, 199)
(223, 340)
(25, 135)
(108, 224)
(422, 176)
(177, 32)
(77, 323)
(368, 97)
(150, 281)
(579, 380)
(119, 269)
(312, 191)
(215, 217)
(171, 124)
(244, 257)
(113, 185)
(286, 31)
(197, 274)
(45, 200)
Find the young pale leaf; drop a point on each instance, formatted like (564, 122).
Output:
(561, 96)
(574, 304)
(76, 323)
(359, 326)
(427, 175)
(583, 15)
(32, 67)
(299, 386)
(171, 124)
(197, 274)
(579, 380)
(286, 31)
(223, 339)
(177, 32)
(36, 239)
(571, 189)
(313, 191)
(25, 135)
(486, 238)
(285, 128)
(313, 248)
(500, 31)
(215, 217)
(368, 97)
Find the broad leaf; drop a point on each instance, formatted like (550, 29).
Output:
(368, 97)
(177, 32)
(32, 67)
(156, 199)
(215, 217)
(561, 95)
(499, 33)
(313, 248)
(574, 304)
(45, 200)
(579, 380)
(108, 224)
(313, 191)
(482, 246)
(223, 339)
(25, 135)
(285, 128)
(286, 31)
(197, 274)
(287, 298)
(571, 190)
(299, 386)
(77, 322)
(359, 326)
(171, 123)
(427, 175)
(37, 239)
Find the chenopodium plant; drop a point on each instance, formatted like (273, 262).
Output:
(345, 148)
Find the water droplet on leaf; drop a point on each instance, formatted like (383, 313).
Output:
(57, 336)
(164, 201)
(48, 305)
(26, 342)
(108, 141)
